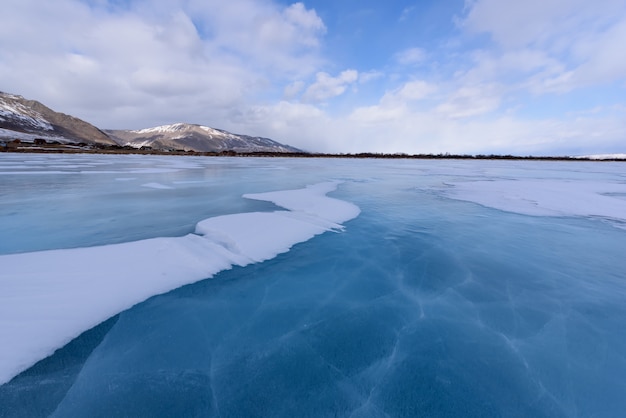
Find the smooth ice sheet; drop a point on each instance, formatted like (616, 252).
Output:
(427, 305)
(47, 298)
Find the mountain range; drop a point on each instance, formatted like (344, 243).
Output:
(28, 120)
(196, 138)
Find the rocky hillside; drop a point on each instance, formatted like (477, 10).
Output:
(28, 119)
(199, 138)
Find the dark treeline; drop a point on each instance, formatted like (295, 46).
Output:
(445, 156)
(42, 146)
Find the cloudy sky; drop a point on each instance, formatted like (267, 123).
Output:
(425, 76)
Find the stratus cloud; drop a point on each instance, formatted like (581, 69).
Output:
(327, 86)
(402, 129)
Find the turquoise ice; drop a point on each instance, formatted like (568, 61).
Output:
(471, 288)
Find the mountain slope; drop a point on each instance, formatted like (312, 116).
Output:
(26, 119)
(196, 138)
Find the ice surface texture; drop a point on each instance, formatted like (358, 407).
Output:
(427, 305)
(48, 298)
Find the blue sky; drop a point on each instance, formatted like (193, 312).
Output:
(536, 77)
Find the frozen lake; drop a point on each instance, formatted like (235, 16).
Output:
(335, 287)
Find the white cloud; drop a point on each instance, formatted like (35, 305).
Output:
(394, 106)
(307, 126)
(399, 129)
(293, 89)
(256, 67)
(150, 63)
(602, 56)
(378, 114)
(411, 56)
(327, 86)
(367, 76)
(567, 43)
(536, 22)
(400, 122)
(283, 39)
(306, 20)
(409, 92)
(470, 101)
(515, 66)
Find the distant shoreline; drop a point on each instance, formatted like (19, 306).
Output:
(43, 147)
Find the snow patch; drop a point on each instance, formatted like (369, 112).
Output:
(163, 129)
(23, 115)
(603, 157)
(212, 131)
(47, 298)
(546, 197)
(26, 137)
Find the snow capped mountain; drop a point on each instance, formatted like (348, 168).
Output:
(177, 127)
(190, 137)
(11, 109)
(28, 119)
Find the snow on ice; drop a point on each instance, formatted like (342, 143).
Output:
(48, 298)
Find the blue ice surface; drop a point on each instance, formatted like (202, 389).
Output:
(423, 306)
